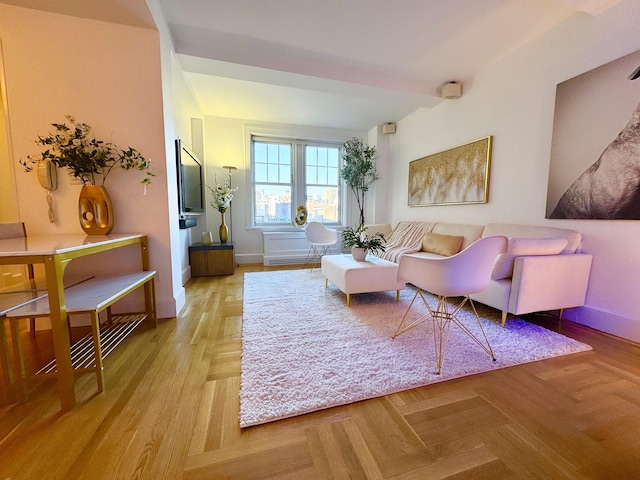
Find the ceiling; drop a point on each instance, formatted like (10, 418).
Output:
(347, 63)
(338, 63)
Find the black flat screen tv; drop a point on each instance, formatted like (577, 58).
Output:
(190, 180)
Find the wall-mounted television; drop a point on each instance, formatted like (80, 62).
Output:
(190, 180)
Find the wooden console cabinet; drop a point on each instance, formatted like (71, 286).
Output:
(214, 259)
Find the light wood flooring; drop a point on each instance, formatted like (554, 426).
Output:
(170, 411)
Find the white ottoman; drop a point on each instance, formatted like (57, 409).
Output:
(350, 276)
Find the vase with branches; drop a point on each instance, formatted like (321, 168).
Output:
(359, 169)
(87, 159)
(222, 195)
(91, 161)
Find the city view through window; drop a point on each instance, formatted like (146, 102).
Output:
(288, 174)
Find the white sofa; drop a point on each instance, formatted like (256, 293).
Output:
(544, 268)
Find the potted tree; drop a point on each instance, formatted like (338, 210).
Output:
(359, 169)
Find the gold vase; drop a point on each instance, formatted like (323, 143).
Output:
(223, 231)
(95, 210)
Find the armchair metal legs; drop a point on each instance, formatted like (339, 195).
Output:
(314, 256)
(443, 315)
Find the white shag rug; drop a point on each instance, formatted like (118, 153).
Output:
(304, 350)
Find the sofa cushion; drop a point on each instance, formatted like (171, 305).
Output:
(445, 245)
(520, 246)
(382, 228)
(536, 246)
(422, 254)
(470, 232)
(573, 238)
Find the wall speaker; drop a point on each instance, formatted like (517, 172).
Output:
(451, 90)
(187, 223)
(389, 128)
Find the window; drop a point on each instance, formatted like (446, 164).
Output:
(288, 173)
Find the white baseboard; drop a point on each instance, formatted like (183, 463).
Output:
(605, 322)
(246, 258)
(186, 275)
(169, 309)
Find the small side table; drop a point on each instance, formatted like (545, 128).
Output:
(214, 259)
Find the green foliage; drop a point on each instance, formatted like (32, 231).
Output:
(359, 169)
(89, 159)
(358, 238)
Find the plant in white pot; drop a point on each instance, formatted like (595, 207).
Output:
(359, 169)
(91, 161)
(360, 243)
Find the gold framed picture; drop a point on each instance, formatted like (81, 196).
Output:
(456, 176)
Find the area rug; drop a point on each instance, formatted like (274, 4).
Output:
(304, 350)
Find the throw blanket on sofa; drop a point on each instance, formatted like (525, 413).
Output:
(405, 238)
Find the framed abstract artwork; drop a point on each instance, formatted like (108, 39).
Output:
(456, 176)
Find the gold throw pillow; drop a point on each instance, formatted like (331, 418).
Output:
(445, 245)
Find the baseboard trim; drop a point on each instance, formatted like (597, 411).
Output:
(604, 321)
(246, 258)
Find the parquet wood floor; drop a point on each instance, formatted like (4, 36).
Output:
(170, 411)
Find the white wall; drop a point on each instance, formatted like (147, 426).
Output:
(513, 100)
(178, 106)
(108, 76)
(186, 110)
(8, 195)
(377, 204)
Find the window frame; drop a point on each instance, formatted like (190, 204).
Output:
(298, 180)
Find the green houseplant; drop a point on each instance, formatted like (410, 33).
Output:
(357, 238)
(91, 161)
(359, 169)
(88, 159)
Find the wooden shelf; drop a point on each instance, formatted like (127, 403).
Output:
(90, 297)
(96, 293)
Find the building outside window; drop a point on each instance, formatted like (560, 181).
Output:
(288, 173)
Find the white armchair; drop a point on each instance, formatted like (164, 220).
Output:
(459, 275)
(320, 239)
